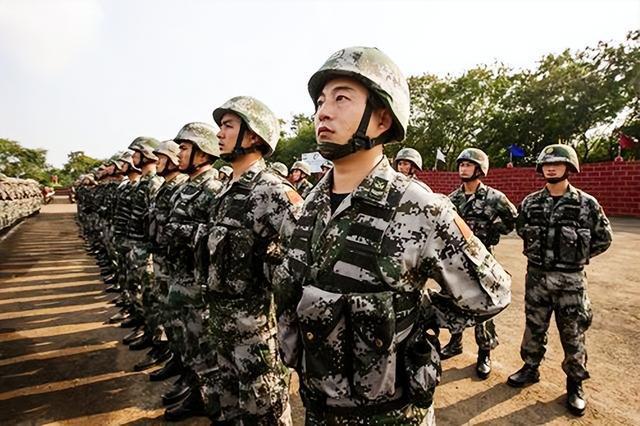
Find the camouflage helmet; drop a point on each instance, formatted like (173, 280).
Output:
(256, 116)
(226, 170)
(202, 135)
(377, 72)
(409, 154)
(558, 153)
(127, 158)
(280, 168)
(145, 145)
(170, 149)
(303, 166)
(476, 156)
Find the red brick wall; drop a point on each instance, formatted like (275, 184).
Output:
(615, 185)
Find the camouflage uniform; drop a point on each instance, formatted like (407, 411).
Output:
(558, 241)
(141, 271)
(159, 211)
(245, 380)
(356, 319)
(489, 213)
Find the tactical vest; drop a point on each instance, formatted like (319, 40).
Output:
(562, 244)
(362, 339)
(139, 219)
(479, 221)
(235, 257)
(123, 211)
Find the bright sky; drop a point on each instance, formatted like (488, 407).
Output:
(92, 75)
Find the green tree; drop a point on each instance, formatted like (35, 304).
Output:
(18, 161)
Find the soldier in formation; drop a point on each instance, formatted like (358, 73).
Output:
(355, 317)
(489, 214)
(562, 228)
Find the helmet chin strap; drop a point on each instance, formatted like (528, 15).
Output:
(564, 176)
(238, 150)
(192, 168)
(476, 175)
(359, 140)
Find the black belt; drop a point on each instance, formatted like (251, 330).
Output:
(531, 264)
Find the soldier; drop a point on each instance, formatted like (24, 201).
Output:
(121, 213)
(298, 175)
(245, 381)
(562, 228)
(489, 214)
(355, 313)
(225, 173)
(159, 210)
(185, 309)
(408, 161)
(140, 266)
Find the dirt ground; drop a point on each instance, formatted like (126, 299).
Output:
(61, 364)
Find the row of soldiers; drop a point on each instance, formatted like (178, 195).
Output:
(19, 198)
(233, 284)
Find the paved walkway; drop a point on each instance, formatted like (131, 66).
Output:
(61, 364)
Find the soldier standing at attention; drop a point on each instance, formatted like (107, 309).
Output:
(246, 382)
(185, 310)
(562, 228)
(159, 209)
(354, 312)
(489, 214)
(298, 175)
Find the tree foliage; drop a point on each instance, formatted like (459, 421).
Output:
(18, 161)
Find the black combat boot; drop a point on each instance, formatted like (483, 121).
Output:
(131, 322)
(141, 343)
(576, 400)
(527, 375)
(157, 355)
(172, 368)
(134, 335)
(119, 317)
(178, 392)
(453, 348)
(191, 406)
(483, 365)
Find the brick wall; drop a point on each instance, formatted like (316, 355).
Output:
(615, 185)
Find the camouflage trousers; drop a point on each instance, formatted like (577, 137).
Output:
(409, 416)
(158, 308)
(244, 379)
(486, 337)
(565, 294)
(140, 280)
(185, 314)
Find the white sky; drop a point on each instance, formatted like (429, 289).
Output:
(92, 75)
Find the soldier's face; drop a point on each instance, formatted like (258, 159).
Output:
(404, 167)
(162, 163)
(228, 134)
(466, 169)
(340, 106)
(553, 170)
(137, 158)
(184, 155)
(296, 175)
(109, 170)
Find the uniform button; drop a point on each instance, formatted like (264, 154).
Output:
(378, 343)
(310, 335)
